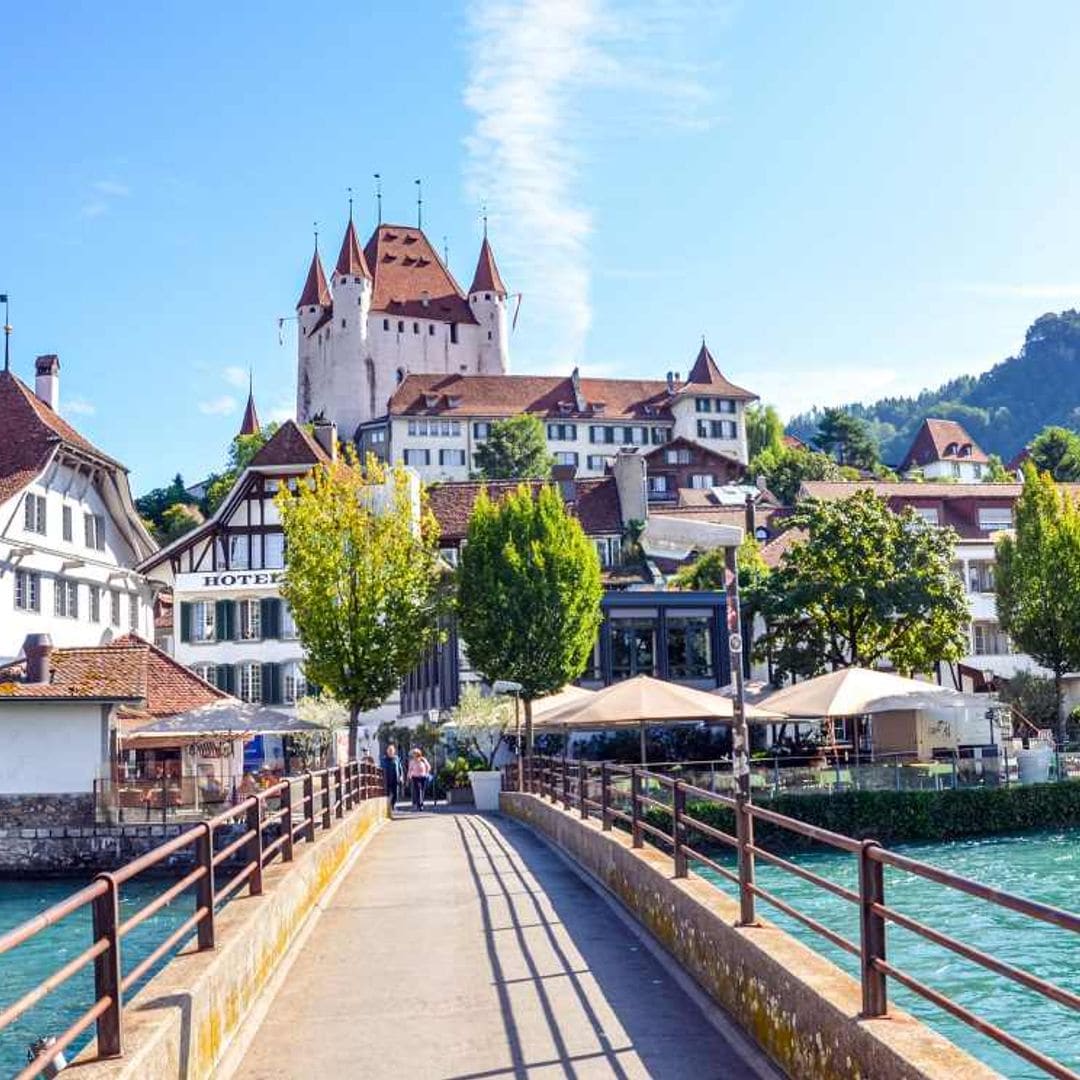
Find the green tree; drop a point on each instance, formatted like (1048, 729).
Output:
(845, 438)
(1037, 579)
(865, 585)
(241, 450)
(515, 449)
(785, 470)
(1056, 450)
(528, 593)
(362, 579)
(153, 504)
(995, 472)
(177, 520)
(764, 429)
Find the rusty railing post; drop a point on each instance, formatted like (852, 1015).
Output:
(871, 932)
(309, 807)
(678, 809)
(566, 784)
(605, 798)
(107, 970)
(339, 783)
(635, 808)
(744, 836)
(255, 845)
(287, 822)
(327, 809)
(204, 887)
(583, 789)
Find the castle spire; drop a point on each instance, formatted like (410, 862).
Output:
(486, 278)
(250, 424)
(316, 291)
(351, 261)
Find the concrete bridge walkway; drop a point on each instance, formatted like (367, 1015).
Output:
(460, 947)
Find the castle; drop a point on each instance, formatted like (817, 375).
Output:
(390, 309)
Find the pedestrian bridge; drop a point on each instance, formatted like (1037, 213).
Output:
(544, 941)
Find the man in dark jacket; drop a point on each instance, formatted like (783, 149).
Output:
(391, 767)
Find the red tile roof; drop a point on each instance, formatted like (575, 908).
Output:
(316, 292)
(596, 504)
(129, 670)
(407, 271)
(351, 259)
(290, 445)
(706, 373)
(773, 552)
(793, 442)
(486, 278)
(942, 440)
(545, 395)
(30, 433)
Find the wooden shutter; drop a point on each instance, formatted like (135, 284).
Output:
(271, 684)
(271, 618)
(225, 620)
(185, 621)
(225, 675)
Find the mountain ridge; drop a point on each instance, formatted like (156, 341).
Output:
(1003, 408)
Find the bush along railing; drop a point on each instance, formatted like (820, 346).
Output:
(670, 814)
(294, 809)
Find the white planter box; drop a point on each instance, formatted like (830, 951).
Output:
(486, 787)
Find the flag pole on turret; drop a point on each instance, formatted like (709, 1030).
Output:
(7, 332)
(419, 205)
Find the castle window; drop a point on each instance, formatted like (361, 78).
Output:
(356, 281)
(416, 328)
(489, 335)
(386, 324)
(487, 296)
(401, 326)
(431, 330)
(453, 333)
(342, 324)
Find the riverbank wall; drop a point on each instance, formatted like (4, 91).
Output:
(58, 849)
(800, 1008)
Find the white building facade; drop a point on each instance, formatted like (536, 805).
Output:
(435, 424)
(70, 537)
(388, 310)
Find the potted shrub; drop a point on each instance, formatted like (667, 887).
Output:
(454, 780)
(481, 723)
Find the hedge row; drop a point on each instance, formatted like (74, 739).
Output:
(895, 816)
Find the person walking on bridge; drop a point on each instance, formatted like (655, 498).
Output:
(391, 765)
(419, 771)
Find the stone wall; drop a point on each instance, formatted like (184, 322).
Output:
(77, 849)
(45, 811)
(801, 1009)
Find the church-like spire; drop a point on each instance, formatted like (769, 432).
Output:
(705, 370)
(316, 291)
(351, 261)
(486, 278)
(250, 424)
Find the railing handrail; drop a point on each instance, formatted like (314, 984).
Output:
(341, 788)
(565, 779)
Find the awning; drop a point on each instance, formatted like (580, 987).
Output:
(221, 719)
(851, 691)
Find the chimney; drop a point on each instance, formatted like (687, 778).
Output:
(751, 516)
(48, 381)
(563, 476)
(671, 382)
(38, 648)
(326, 437)
(629, 471)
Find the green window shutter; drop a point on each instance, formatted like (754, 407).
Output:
(275, 683)
(226, 678)
(271, 618)
(222, 620)
(185, 622)
(268, 683)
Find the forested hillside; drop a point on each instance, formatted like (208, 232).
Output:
(1003, 408)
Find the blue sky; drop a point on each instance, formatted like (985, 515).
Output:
(848, 199)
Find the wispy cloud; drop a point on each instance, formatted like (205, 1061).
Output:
(235, 376)
(219, 406)
(532, 63)
(1045, 291)
(78, 406)
(103, 194)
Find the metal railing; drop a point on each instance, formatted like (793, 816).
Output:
(624, 795)
(294, 809)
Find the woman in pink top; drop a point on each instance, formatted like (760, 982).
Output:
(418, 772)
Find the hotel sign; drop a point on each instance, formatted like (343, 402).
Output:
(227, 580)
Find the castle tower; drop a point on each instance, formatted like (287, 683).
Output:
(354, 395)
(314, 314)
(487, 298)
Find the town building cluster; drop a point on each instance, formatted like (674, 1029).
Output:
(120, 659)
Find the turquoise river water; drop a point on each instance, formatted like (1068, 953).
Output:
(1040, 866)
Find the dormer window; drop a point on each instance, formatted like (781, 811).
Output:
(431, 400)
(965, 450)
(598, 408)
(950, 450)
(453, 400)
